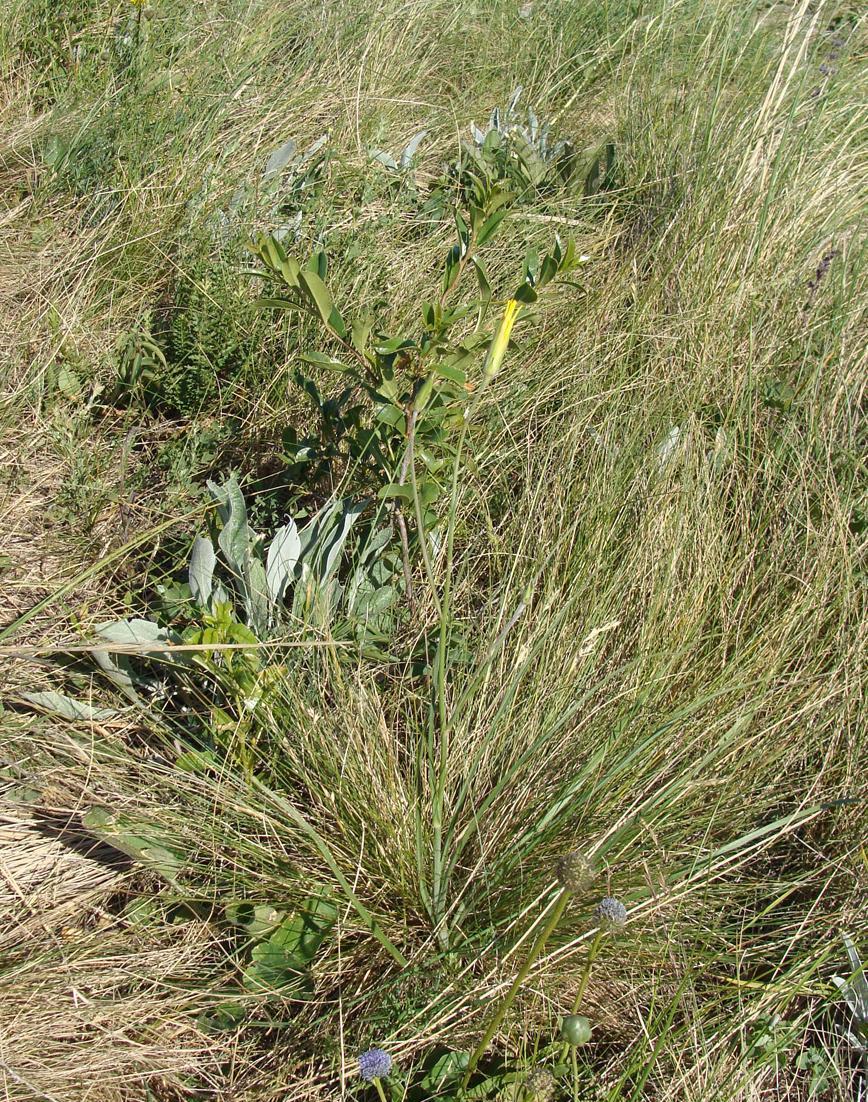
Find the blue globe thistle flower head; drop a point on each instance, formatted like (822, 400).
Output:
(374, 1064)
(611, 912)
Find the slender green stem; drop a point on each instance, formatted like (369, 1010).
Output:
(545, 933)
(493, 361)
(583, 983)
(417, 509)
(440, 689)
(380, 1090)
(575, 1064)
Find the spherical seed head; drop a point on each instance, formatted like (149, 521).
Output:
(576, 1029)
(374, 1064)
(540, 1085)
(575, 871)
(611, 912)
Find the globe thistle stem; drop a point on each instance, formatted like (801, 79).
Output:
(583, 983)
(575, 1066)
(545, 933)
(378, 1083)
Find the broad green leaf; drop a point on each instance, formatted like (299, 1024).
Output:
(258, 919)
(396, 489)
(547, 272)
(482, 278)
(278, 260)
(360, 332)
(429, 491)
(265, 303)
(323, 360)
(453, 374)
(530, 267)
(452, 268)
(392, 415)
(462, 229)
(68, 383)
(138, 839)
(392, 345)
(318, 263)
(221, 1018)
(388, 389)
(446, 1069)
(490, 226)
(321, 298)
(283, 959)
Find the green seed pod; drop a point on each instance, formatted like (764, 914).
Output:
(540, 1085)
(575, 871)
(576, 1029)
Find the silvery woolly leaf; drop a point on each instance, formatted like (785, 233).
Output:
(348, 515)
(533, 125)
(117, 670)
(720, 455)
(476, 134)
(203, 559)
(117, 666)
(256, 597)
(312, 150)
(383, 158)
(292, 228)
(235, 536)
(238, 199)
(283, 555)
(133, 632)
(854, 989)
(371, 558)
(279, 159)
(411, 148)
(513, 100)
(670, 446)
(66, 708)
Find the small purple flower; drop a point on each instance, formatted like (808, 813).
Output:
(611, 912)
(374, 1064)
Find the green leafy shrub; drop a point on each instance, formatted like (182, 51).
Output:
(406, 397)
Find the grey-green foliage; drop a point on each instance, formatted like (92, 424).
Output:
(296, 577)
(242, 589)
(280, 196)
(854, 990)
(526, 141)
(406, 158)
(519, 152)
